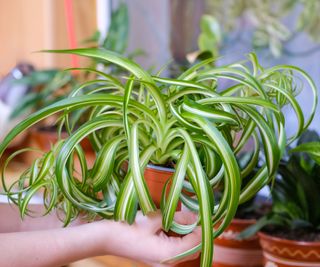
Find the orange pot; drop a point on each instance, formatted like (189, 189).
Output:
(230, 251)
(43, 140)
(156, 178)
(192, 263)
(278, 252)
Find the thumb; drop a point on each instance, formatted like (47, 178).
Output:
(178, 245)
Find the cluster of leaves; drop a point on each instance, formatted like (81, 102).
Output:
(199, 121)
(296, 190)
(48, 86)
(252, 208)
(266, 18)
(210, 37)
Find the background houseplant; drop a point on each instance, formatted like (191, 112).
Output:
(267, 22)
(294, 219)
(50, 86)
(45, 85)
(268, 27)
(190, 122)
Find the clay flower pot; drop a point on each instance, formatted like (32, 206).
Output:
(156, 178)
(44, 139)
(230, 251)
(278, 252)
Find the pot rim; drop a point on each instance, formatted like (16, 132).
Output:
(288, 241)
(42, 131)
(160, 168)
(243, 221)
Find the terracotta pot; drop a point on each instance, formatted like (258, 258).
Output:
(156, 178)
(192, 263)
(43, 140)
(230, 251)
(278, 252)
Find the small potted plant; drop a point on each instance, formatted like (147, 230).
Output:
(47, 87)
(290, 233)
(52, 85)
(188, 123)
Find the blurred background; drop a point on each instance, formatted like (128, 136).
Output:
(156, 33)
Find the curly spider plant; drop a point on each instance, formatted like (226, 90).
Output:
(191, 122)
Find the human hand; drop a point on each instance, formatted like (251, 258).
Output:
(145, 241)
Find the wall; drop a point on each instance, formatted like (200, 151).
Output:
(32, 25)
(149, 31)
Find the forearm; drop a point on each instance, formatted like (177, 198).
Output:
(27, 240)
(10, 220)
(51, 247)
(143, 241)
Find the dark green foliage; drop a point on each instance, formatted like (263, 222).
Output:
(296, 190)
